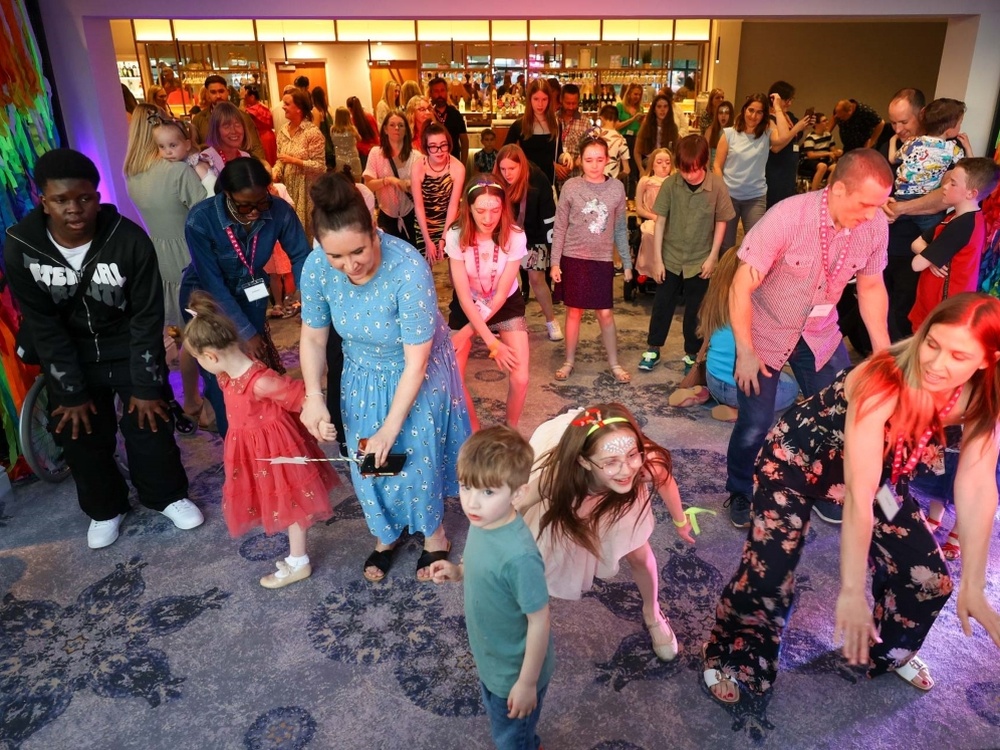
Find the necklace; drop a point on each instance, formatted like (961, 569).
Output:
(430, 168)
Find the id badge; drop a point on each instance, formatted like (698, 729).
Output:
(820, 311)
(484, 309)
(255, 290)
(887, 501)
(795, 148)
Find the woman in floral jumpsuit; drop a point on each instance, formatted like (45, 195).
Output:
(858, 442)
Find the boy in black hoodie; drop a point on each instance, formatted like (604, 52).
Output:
(88, 286)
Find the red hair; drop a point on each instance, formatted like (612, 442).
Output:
(519, 188)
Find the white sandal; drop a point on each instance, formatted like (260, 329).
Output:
(713, 677)
(911, 673)
(664, 651)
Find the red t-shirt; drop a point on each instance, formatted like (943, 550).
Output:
(957, 242)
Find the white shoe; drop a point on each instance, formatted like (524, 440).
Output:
(102, 533)
(666, 649)
(184, 514)
(555, 332)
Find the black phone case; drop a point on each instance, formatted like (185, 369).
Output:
(393, 465)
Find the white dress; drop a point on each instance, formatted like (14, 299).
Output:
(570, 569)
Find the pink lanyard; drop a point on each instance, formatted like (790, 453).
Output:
(898, 469)
(824, 240)
(239, 250)
(493, 273)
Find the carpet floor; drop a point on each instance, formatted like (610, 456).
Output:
(165, 640)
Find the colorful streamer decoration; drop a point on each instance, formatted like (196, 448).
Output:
(27, 130)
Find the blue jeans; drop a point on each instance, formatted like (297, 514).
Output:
(756, 412)
(750, 212)
(511, 734)
(727, 394)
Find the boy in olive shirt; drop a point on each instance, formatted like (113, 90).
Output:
(506, 599)
(692, 209)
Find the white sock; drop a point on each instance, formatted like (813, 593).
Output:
(297, 562)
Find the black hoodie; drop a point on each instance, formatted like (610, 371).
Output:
(118, 320)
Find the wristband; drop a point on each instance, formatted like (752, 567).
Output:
(317, 393)
(494, 349)
(681, 524)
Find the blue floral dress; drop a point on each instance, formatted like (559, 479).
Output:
(397, 306)
(802, 460)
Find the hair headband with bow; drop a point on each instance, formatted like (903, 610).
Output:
(593, 418)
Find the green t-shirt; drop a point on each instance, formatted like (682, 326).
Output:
(691, 218)
(504, 582)
(624, 114)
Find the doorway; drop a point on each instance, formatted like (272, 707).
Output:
(398, 71)
(315, 71)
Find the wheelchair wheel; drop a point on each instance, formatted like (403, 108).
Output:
(38, 445)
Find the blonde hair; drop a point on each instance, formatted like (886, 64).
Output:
(714, 311)
(210, 328)
(142, 152)
(342, 122)
(408, 90)
(647, 171)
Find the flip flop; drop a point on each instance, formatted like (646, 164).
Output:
(381, 559)
(427, 557)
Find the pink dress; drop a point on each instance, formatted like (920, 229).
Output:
(257, 493)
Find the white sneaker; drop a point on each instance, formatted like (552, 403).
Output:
(555, 332)
(184, 514)
(102, 533)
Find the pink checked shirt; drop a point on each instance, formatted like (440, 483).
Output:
(785, 247)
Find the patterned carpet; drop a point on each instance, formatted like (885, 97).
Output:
(165, 640)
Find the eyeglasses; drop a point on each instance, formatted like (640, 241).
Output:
(243, 209)
(434, 148)
(611, 468)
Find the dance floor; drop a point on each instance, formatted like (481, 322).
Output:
(165, 640)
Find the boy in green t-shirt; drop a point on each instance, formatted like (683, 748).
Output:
(506, 599)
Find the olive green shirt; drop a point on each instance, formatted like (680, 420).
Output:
(691, 217)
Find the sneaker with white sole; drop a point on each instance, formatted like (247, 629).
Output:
(184, 514)
(555, 332)
(103, 533)
(650, 359)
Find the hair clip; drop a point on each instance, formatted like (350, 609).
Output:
(190, 312)
(592, 417)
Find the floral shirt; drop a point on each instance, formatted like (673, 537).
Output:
(925, 159)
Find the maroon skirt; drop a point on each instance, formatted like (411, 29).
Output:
(587, 284)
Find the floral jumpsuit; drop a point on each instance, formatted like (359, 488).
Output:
(802, 461)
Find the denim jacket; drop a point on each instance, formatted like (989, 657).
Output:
(218, 270)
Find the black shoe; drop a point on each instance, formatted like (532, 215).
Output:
(829, 511)
(739, 510)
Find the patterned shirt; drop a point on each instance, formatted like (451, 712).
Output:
(590, 222)
(858, 128)
(925, 159)
(573, 133)
(784, 247)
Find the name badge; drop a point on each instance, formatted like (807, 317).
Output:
(484, 309)
(795, 148)
(887, 501)
(255, 290)
(820, 311)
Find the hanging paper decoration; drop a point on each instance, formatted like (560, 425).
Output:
(27, 130)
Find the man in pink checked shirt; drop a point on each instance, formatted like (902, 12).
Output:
(794, 266)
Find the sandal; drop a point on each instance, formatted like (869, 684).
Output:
(914, 671)
(620, 374)
(277, 311)
(712, 677)
(427, 558)
(380, 559)
(951, 550)
(666, 649)
(565, 371)
(292, 310)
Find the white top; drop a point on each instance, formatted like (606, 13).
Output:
(479, 283)
(73, 255)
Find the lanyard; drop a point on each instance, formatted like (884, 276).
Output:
(493, 273)
(239, 250)
(824, 240)
(898, 469)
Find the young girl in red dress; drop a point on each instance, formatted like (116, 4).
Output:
(262, 407)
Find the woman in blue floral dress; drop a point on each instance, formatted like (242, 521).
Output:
(858, 442)
(401, 391)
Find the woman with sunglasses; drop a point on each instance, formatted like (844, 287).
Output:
(589, 504)
(485, 249)
(231, 238)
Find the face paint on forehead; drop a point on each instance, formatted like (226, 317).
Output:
(620, 445)
(487, 203)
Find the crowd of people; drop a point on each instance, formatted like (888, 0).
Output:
(354, 209)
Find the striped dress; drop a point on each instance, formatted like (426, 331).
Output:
(436, 191)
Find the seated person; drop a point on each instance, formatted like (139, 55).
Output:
(88, 285)
(818, 154)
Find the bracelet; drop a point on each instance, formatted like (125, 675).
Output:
(494, 349)
(317, 393)
(682, 524)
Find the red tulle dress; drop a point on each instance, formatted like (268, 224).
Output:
(266, 425)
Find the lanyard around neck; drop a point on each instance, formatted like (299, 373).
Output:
(898, 469)
(239, 250)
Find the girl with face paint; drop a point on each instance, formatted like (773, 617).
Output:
(589, 505)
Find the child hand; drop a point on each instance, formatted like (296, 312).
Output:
(442, 571)
(327, 432)
(556, 273)
(685, 532)
(627, 273)
(963, 141)
(522, 700)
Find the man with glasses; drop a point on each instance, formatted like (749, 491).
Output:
(449, 116)
(218, 91)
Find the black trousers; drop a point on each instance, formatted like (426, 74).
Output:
(901, 284)
(664, 304)
(153, 457)
(334, 374)
(390, 225)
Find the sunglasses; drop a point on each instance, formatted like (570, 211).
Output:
(243, 209)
